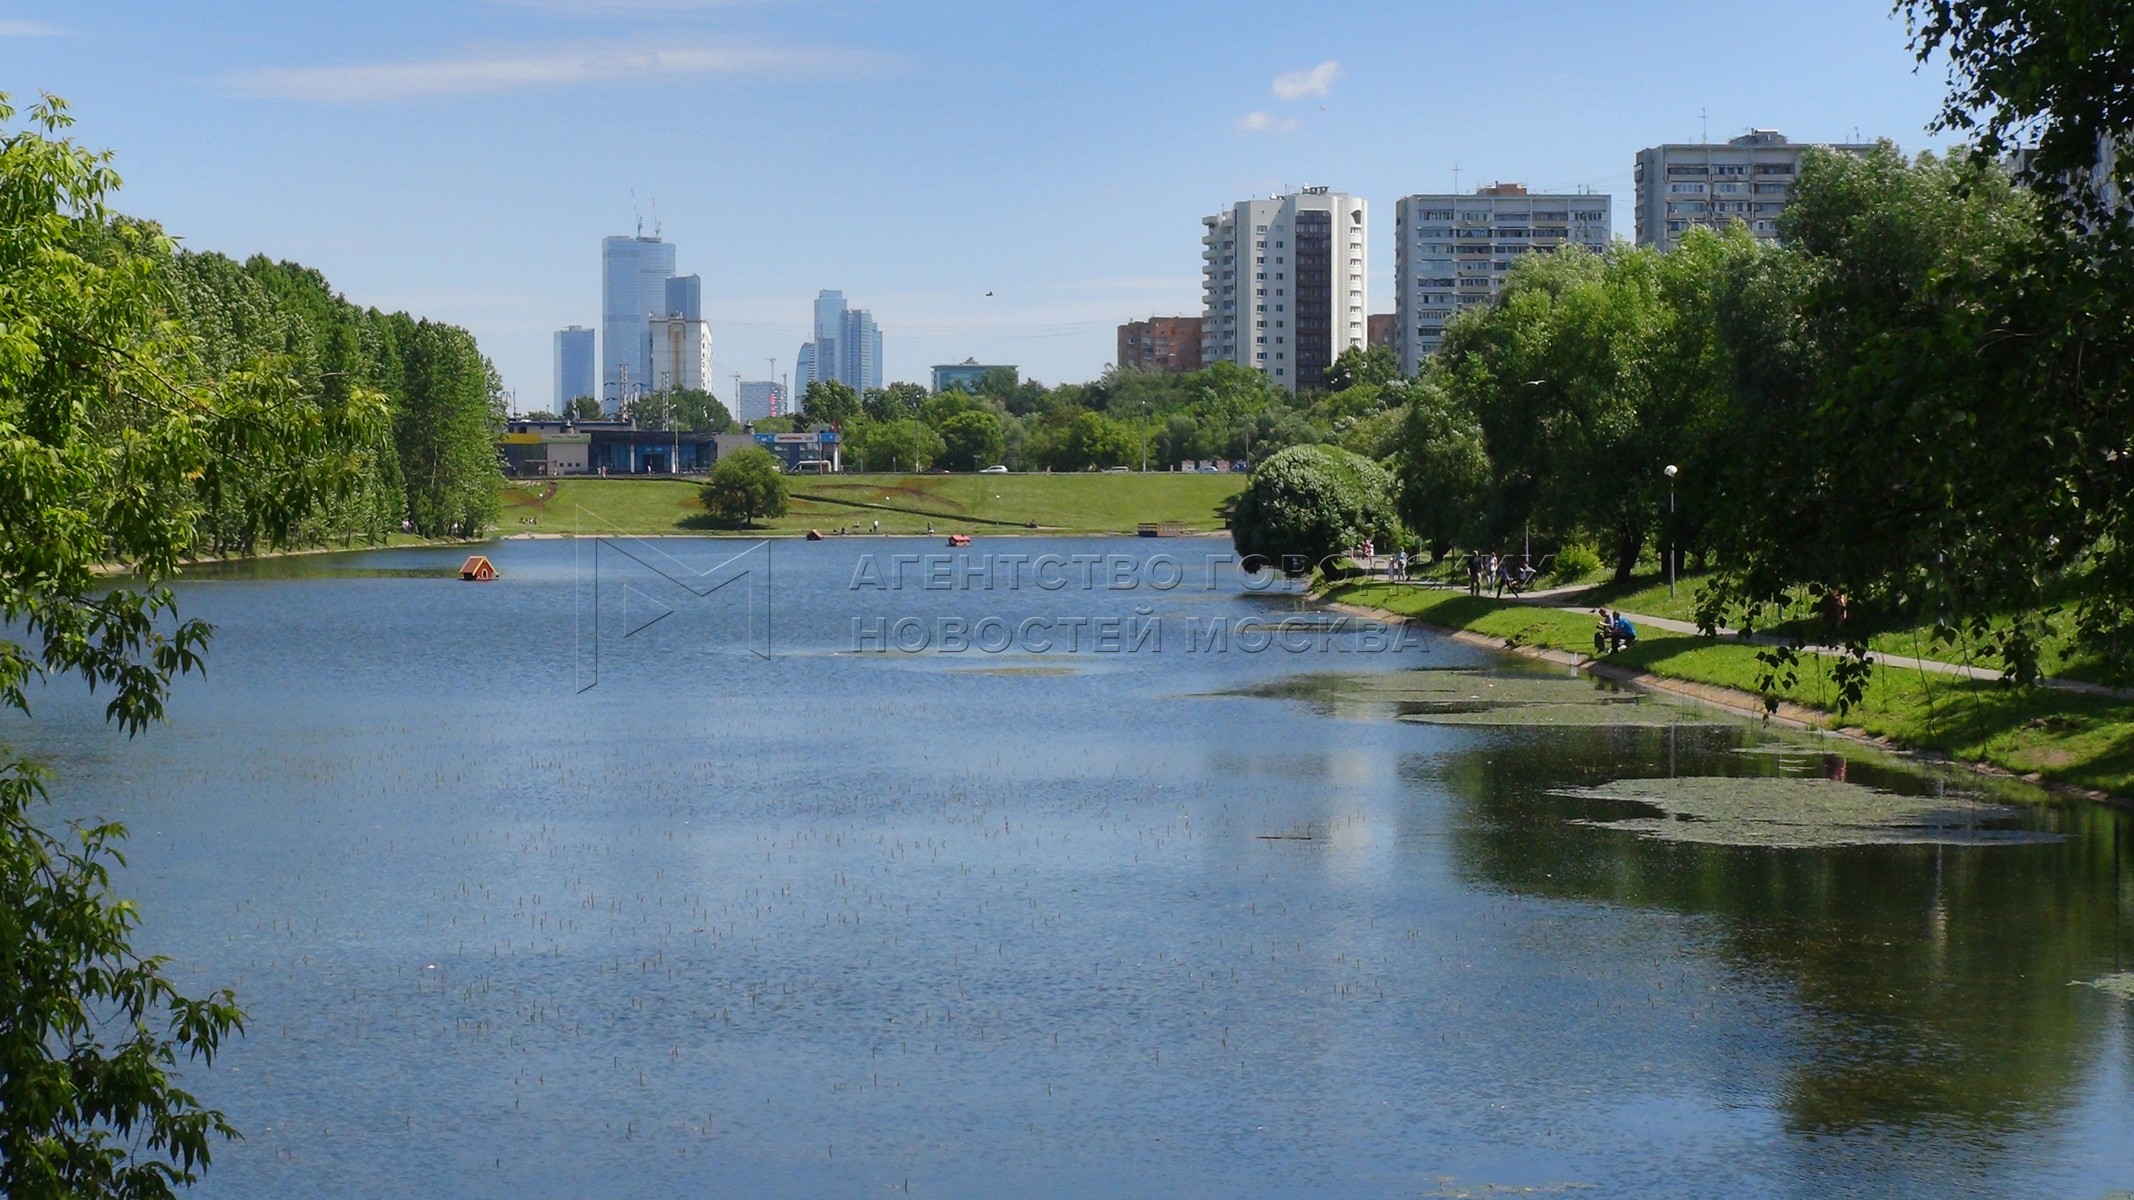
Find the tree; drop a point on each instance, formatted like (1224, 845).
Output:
(1313, 501)
(446, 432)
(898, 401)
(694, 410)
(1078, 440)
(902, 445)
(829, 402)
(1369, 366)
(999, 383)
(746, 486)
(971, 440)
(1442, 470)
(582, 408)
(114, 442)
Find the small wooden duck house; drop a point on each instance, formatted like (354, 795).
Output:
(477, 569)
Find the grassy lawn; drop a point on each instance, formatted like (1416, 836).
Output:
(1091, 503)
(1647, 594)
(2086, 741)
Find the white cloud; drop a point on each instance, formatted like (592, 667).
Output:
(1296, 85)
(602, 8)
(30, 29)
(1260, 122)
(553, 66)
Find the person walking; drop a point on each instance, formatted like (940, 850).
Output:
(1474, 572)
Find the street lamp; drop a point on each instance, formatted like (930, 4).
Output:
(1673, 555)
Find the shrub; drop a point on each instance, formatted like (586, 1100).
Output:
(1574, 562)
(1314, 501)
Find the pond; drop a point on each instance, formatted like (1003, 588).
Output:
(1068, 868)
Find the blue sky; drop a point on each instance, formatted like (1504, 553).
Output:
(462, 158)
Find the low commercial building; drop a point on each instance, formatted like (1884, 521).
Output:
(968, 374)
(820, 451)
(1167, 344)
(547, 449)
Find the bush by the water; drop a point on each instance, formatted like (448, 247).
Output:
(1314, 501)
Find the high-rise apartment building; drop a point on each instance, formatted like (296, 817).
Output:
(1749, 179)
(576, 371)
(847, 347)
(1283, 283)
(681, 354)
(1453, 252)
(1169, 344)
(759, 401)
(633, 290)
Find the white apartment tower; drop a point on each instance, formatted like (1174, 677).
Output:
(1284, 285)
(681, 354)
(1453, 252)
(1749, 179)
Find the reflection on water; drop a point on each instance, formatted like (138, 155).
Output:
(1173, 922)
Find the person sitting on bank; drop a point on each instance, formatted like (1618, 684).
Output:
(1613, 632)
(1625, 633)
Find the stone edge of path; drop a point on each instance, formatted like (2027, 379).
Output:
(1734, 700)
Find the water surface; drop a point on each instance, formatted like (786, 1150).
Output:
(1174, 922)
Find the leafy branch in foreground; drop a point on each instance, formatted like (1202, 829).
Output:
(115, 443)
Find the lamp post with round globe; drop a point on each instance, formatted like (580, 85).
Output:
(1672, 553)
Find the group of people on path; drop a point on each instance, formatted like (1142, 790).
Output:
(1396, 567)
(1500, 573)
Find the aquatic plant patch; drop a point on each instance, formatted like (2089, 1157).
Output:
(1801, 814)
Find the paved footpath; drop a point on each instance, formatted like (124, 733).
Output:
(1546, 597)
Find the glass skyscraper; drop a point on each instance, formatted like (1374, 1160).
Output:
(574, 367)
(634, 273)
(847, 347)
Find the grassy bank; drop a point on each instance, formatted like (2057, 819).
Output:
(2079, 740)
(978, 504)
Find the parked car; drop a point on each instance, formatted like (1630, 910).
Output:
(995, 469)
(1117, 470)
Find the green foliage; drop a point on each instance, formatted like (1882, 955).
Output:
(445, 430)
(898, 401)
(128, 440)
(829, 402)
(971, 440)
(745, 487)
(694, 410)
(582, 408)
(1575, 562)
(1077, 440)
(901, 445)
(1362, 366)
(1314, 501)
(94, 1031)
(1442, 466)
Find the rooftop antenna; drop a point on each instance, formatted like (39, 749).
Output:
(1455, 179)
(1704, 126)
